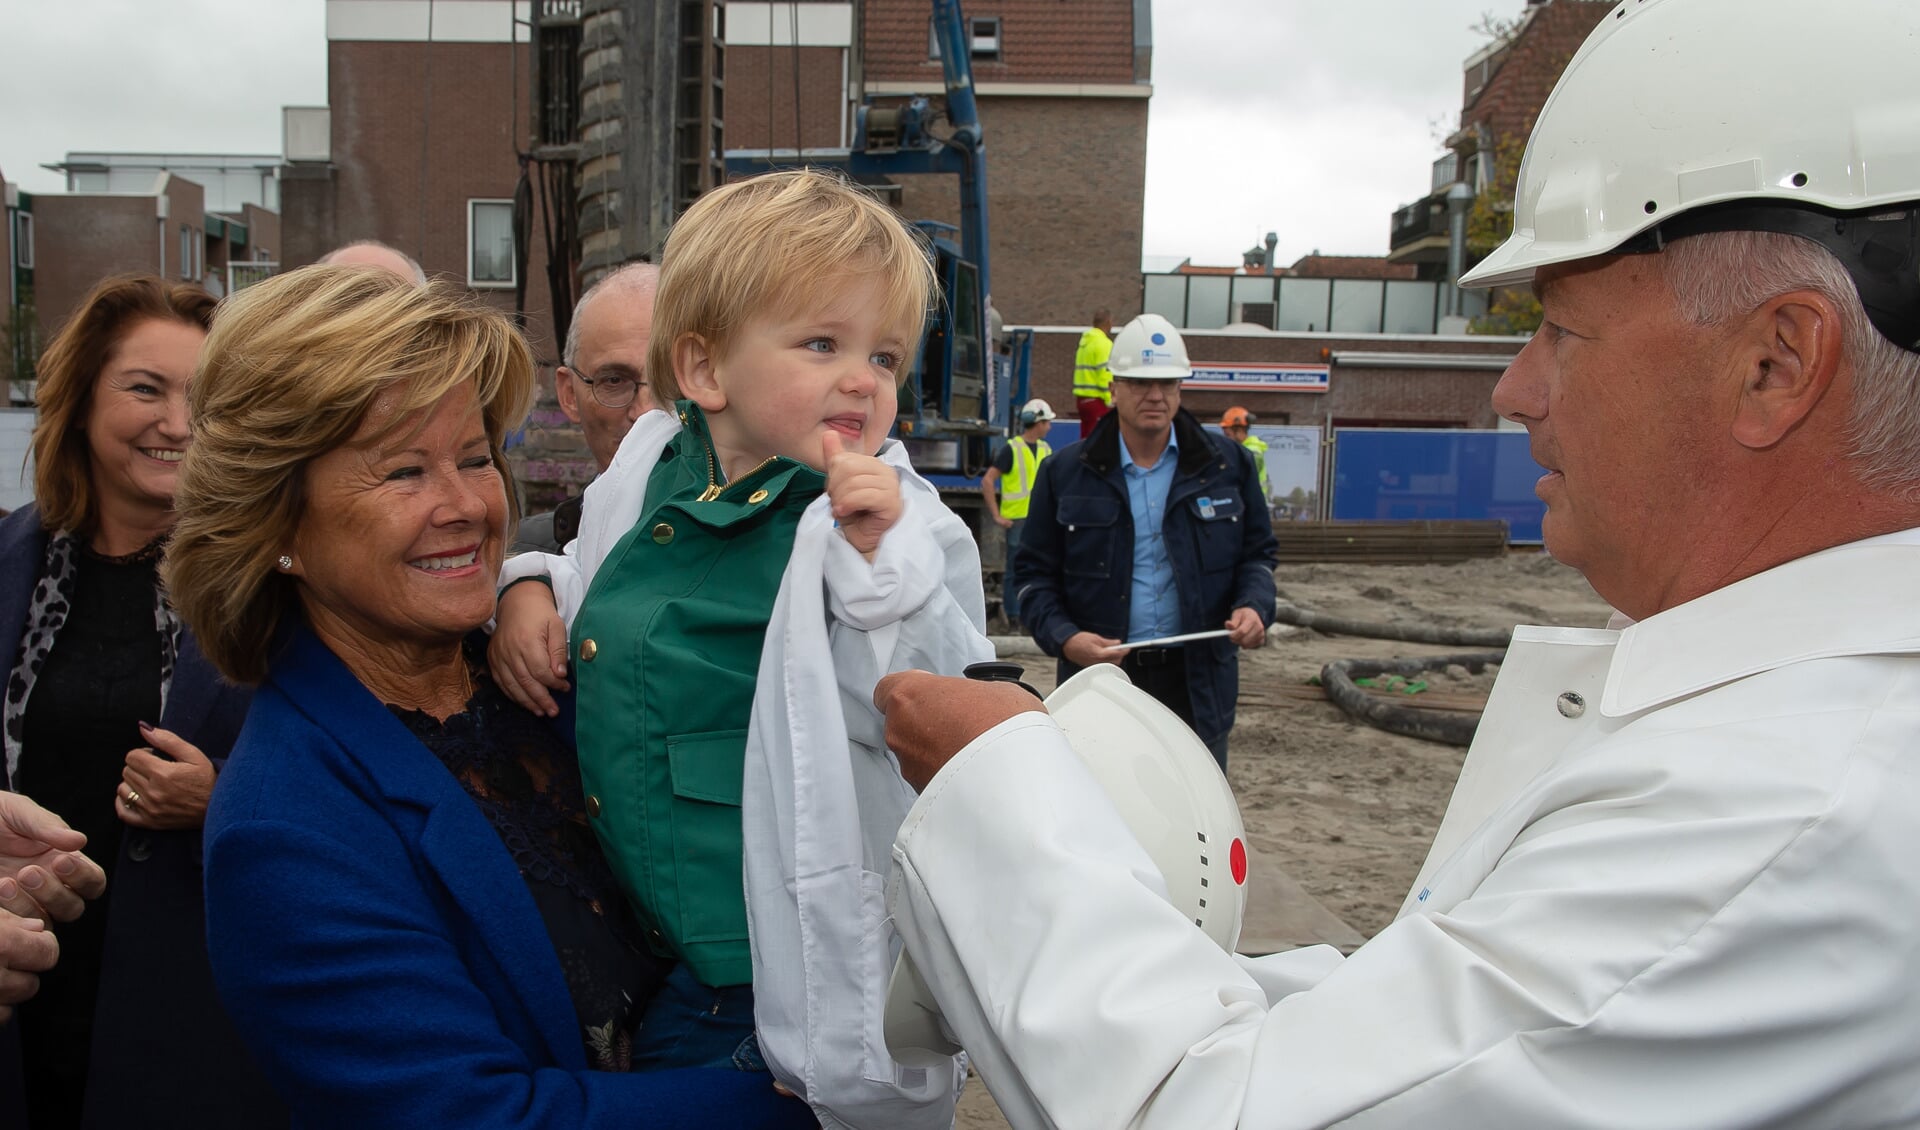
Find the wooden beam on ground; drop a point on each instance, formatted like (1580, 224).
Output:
(1390, 543)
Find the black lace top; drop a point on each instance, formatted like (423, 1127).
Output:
(526, 781)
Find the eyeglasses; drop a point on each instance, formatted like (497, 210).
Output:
(615, 390)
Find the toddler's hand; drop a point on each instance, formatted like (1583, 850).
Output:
(865, 493)
(528, 652)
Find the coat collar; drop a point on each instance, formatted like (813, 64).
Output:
(455, 840)
(1848, 600)
(23, 552)
(1100, 450)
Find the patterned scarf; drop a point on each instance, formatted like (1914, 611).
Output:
(52, 600)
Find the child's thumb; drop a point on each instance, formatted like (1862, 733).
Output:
(831, 448)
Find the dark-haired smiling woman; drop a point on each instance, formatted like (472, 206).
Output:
(115, 721)
(408, 914)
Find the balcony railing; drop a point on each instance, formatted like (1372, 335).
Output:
(1417, 221)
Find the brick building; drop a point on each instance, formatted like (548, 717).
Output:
(80, 238)
(418, 147)
(1504, 84)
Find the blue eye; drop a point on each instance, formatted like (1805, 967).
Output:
(818, 344)
(888, 361)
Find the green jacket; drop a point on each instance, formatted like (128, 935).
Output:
(666, 648)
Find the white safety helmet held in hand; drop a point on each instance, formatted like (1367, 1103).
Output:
(1174, 799)
(1678, 117)
(1149, 348)
(1036, 411)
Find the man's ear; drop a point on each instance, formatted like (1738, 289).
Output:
(567, 392)
(1789, 354)
(694, 367)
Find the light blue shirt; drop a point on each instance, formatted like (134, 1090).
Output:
(1153, 606)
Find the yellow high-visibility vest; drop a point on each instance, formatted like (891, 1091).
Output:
(1016, 486)
(1258, 446)
(1090, 376)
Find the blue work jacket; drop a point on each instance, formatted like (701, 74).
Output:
(1074, 568)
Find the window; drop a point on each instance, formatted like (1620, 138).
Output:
(982, 31)
(23, 240)
(186, 251)
(490, 243)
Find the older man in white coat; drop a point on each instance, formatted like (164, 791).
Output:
(1677, 884)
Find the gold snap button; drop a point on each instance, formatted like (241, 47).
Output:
(588, 649)
(662, 534)
(593, 807)
(757, 497)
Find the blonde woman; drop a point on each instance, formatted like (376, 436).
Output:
(406, 909)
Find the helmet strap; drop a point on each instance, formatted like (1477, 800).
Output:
(1879, 247)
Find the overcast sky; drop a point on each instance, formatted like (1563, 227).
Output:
(1313, 119)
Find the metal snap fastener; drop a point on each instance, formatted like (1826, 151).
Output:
(662, 534)
(757, 497)
(1570, 705)
(140, 850)
(588, 649)
(593, 806)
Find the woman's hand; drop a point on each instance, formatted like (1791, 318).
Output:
(528, 652)
(164, 793)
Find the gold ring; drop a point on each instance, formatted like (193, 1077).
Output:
(133, 797)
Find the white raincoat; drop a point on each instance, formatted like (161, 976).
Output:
(822, 797)
(1678, 886)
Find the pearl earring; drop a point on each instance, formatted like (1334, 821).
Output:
(286, 562)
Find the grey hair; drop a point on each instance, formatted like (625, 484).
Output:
(1721, 275)
(641, 277)
(419, 273)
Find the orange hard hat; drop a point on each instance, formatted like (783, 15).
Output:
(1237, 417)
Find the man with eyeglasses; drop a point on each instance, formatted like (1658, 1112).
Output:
(601, 384)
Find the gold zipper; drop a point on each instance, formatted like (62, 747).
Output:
(714, 489)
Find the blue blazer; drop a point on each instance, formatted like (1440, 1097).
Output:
(379, 949)
(160, 1039)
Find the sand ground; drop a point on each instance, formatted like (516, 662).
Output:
(1345, 809)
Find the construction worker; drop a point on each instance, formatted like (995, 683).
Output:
(1092, 384)
(1008, 486)
(1151, 527)
(1675, 886)
(1236, 422)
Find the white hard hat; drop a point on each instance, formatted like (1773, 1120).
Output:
(1175, 801)
(1683, 116)
(1149, 348)
(1035, 411)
